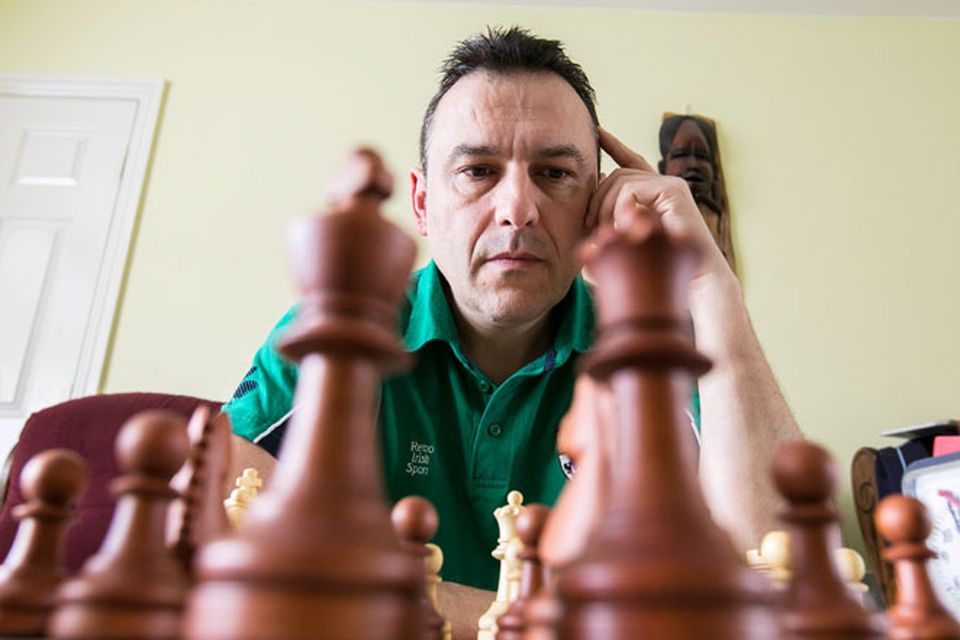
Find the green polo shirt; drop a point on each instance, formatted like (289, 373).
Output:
(448, 433)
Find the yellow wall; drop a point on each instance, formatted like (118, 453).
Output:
(840, 139)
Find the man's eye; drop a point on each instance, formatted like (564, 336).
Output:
(556, 173)
(477, 172)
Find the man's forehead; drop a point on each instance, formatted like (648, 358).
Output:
(484, 105)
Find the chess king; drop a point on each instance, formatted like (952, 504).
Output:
(509, 185)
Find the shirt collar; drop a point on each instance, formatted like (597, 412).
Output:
(430, 317)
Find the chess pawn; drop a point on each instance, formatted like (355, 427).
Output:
(434, 563)
(247, 487)
(543, 613)
(51, 482)
(817, 602)
(852, 570)
(134, 586)
(917, 613)
(415, 522)
(529, 526)
(772, 559)
(506, 517)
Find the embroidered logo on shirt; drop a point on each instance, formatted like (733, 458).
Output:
(567, 466)
(420, 454)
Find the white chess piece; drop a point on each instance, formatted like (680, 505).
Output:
(248, 486)
(434, 562)
(509, 565)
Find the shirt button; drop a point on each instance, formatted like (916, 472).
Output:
(486, 387)
(494, 430)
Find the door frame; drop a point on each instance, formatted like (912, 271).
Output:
(148, 94)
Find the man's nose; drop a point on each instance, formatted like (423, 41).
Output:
(517, 201)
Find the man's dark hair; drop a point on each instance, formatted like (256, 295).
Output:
(670, 126)
(506, 51)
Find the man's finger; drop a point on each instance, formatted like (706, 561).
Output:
(621, 153)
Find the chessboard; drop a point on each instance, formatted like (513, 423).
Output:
(318, 553)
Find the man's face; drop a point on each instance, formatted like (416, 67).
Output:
(689, 157)
(511, 166)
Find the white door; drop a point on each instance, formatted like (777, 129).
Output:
(67, 204)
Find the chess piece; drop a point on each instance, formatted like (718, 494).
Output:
(198, 515)
(852, 570)
(415, 523)
(543, 613)
(317, 557)
(434, 562)
(529, 526)
(51, 482)
(509, 577)
(134, 586)
(772, 559)
(917, 613)
(817, 603)
(247, 487)
(655, 565)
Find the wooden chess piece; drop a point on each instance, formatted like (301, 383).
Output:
(134, 586)
(917, 613)
(817, 602)
(434, 562)
(317, 557)
(51, 482)
(198, 515)
(415, 522)
(246, 487)
(655, 565)
(543, 613)
(529, 526)
(508, 583)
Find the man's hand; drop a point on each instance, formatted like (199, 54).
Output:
(635, 189)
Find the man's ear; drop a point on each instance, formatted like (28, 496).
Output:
(418, 198)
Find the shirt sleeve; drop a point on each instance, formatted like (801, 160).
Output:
(264, 396)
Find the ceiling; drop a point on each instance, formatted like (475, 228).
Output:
(902, 8)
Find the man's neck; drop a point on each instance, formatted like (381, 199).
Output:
(498, 350)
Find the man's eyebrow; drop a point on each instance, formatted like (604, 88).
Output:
(561, 151)
(465, 149)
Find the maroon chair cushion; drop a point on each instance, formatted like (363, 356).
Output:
(89, 427)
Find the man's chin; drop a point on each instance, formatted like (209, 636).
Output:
(519, 306)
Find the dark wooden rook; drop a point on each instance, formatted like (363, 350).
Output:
(656, 565)
(917, 613)
(817, 604)
(51, 482)
(317, 557)
(134, 587)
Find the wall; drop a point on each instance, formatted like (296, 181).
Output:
(839, 139)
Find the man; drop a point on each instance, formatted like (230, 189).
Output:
(509, 186)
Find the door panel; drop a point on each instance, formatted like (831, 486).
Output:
(62, 160)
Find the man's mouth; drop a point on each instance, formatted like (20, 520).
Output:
(512, 259)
